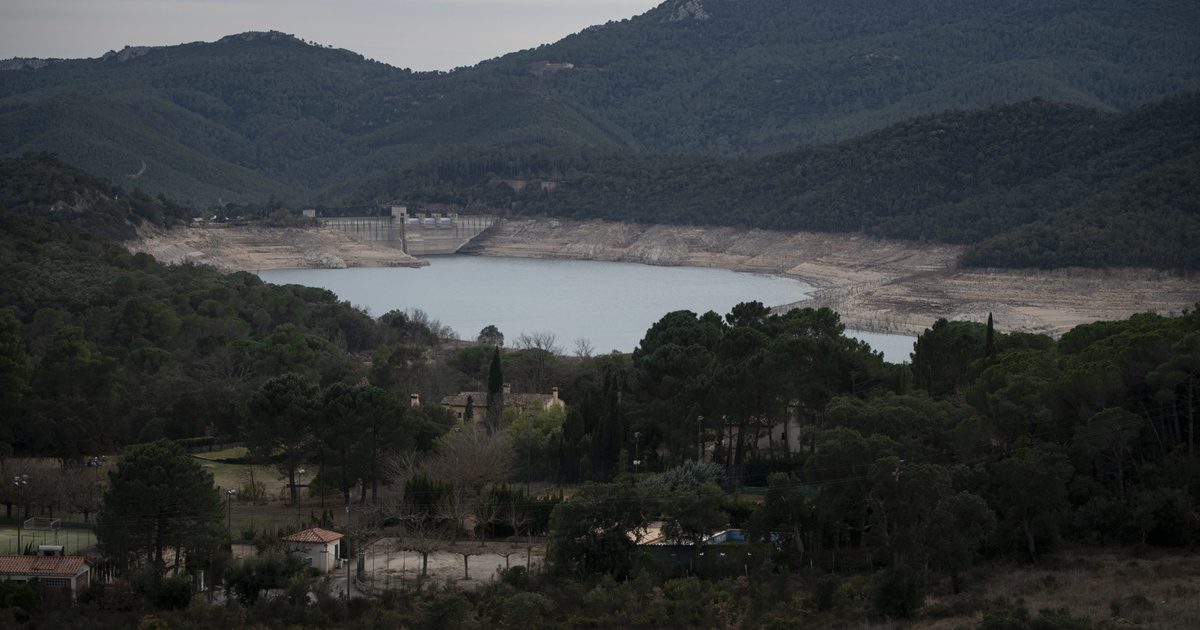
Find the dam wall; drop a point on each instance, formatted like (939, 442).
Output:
(415, 235)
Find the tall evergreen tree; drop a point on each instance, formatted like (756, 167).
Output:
(158, 500)
(495, 393)
(989, 346)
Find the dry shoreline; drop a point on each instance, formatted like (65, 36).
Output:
(254, 248)
(876, 285)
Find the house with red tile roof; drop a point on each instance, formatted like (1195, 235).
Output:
(68, 574)
(318, 547)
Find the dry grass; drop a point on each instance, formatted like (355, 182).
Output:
(1148, 590)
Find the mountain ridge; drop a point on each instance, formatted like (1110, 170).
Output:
(265, 113)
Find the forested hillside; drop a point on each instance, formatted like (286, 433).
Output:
(103, 348)
(266, 114)
(41, 185)
(763, 75)
(261, 115)
(1032, 184)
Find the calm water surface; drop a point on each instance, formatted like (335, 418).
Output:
(609, 304)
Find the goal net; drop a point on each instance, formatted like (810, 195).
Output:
(43, 523)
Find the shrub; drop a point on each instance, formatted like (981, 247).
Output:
(173, 593)
(1126, 605)
(850, 598)
(516, 577)
(527, 610)
(896, 592)
(824, 591)
(1019, 619)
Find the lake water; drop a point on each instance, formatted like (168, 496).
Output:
(609, 304)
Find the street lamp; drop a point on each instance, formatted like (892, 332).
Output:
(300, 472)
(231, 494)
(637, 441)
(699, 438)
(20, 481)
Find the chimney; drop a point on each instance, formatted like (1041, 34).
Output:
(554, 393)
(414, 400)
(507, 389)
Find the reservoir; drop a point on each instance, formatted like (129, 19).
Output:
(609, 304)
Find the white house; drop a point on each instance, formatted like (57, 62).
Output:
(66, 574)
(319, 547)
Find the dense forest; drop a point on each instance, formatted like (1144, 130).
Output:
(1035, 184)
(41, 185)
(261, 114)
(904, 482)
(768, 75)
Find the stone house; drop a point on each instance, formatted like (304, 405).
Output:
(523, 403)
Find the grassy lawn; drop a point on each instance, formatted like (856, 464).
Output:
(227, 476)
(74, 539)
(229, 453)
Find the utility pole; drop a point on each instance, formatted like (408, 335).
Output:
(700, 439)
(349, 549)
(528, 453)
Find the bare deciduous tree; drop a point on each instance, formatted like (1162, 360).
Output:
(584, 348)
(470, 458)
(457, 507)
(82, 490)
(517, 518)
(421, 535)
(538, 341)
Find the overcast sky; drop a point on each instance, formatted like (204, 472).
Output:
(417, 34)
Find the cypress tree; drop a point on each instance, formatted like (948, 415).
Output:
(495, 394)
(989, 348)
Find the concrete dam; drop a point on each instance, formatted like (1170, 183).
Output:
(418, 234)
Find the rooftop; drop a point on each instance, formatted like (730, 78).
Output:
(314, 535)
(57, 566)
(479, 399)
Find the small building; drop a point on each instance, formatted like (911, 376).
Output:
(65, 574)
(523, 403)
(318, 547)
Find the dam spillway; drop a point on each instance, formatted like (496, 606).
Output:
(416, 235)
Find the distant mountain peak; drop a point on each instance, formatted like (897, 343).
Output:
(126, 53)
(26, 63)
(681, 10)
(269, 36)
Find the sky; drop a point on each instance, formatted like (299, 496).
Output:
(416, 34)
